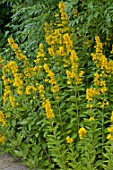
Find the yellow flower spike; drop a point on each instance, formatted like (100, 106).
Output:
(2, 119)
(46, 68)
(62, 5)
(69, 140)
(2, 138)
(49, 111)
(112, 117)
(91, 119)
(51, 51)
(12, 100)
(41, 89)
(82, 132)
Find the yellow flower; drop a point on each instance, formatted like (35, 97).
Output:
(112, 116)
(49, 111)
(82, 132)
(81, 73)
(56, 14)
(110, 129)
(12, 100)
(75, 13)
(10, 40)
(46, 68)
(69, 140)
(17, 82)
(103, 89)
(2, 138)
(73, 56)
(20, 56)
(91, 92)
(62, 5)
(89, 105)
(68, 42)
(55, 89)
(2, 119)
(30, 89)
(51, 51)
(91, 119)
(41, 89)
(110, 137)
(19, 90)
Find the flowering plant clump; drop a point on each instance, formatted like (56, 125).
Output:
(49, 116)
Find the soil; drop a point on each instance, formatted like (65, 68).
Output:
(7, 162)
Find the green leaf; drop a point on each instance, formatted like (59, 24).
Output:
(90, 5)
(13, 122)
(18, 153)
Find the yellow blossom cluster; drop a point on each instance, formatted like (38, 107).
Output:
(40, 54)
(49, 110)
(110, 136)
(2, 138)
(68, 42)
(31, 71)
(53, 39)
(100, 59)
(2, 119)
(16, 78)
(64, 16)
(91, 119)
(112, 117)
(75, 13)
(111, 50)
(82, 132)
(91, 93)
(110, 129)
(69, 140)
(57, 38)
(103, 103)
(12, 100)
(99, 88)
(1, 60)
(18, 82)
(7, 89)
(99, 81)
(52, 80)
(69, 76)
(30, 89)
(74, 74)
(28, 72)
(15, 47)
(10, 67)
(42, 93)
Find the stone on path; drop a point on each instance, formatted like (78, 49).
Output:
(7, 163)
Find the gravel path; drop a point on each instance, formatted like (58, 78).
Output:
(7, 163)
